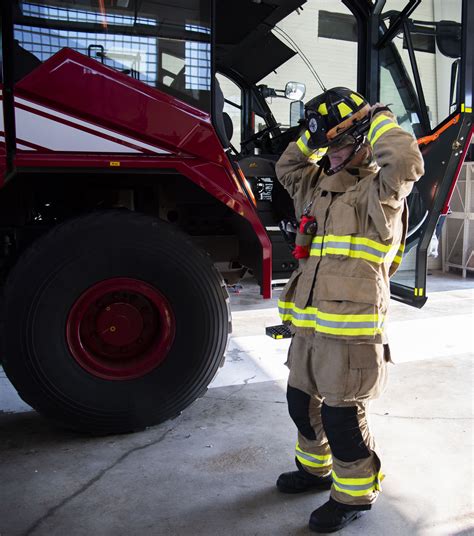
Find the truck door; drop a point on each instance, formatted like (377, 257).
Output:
(422, 54)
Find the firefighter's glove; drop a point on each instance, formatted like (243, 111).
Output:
(300, 252)
(378, 107)
(304, 237)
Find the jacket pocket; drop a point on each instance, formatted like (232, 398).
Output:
(344, 219)
(348, 289)
(306, 283)
(367, 375)
(349, 308)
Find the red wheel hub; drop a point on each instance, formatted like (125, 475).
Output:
(120, 329)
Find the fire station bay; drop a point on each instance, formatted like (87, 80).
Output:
(236, 267)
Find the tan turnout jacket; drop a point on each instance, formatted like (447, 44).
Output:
(342, 290)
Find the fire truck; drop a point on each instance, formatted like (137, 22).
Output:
(128, 204)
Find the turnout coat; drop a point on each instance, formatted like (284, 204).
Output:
(342, 289)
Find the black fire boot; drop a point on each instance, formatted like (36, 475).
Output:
(333, 516)
(300, 481)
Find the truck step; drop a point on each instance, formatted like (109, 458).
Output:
(278, 332)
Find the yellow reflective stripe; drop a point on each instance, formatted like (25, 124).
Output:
(302, 143)
(419, 292)
(357, 487)
(291, 305)
(323, 109)
(298, 322)
(316, 155)
(312, 460)
(353, 332)
(399, 256)
(303, 148)
(465, 109)
(358, 100)
(376, 122)
(344, 110)
(381, 131)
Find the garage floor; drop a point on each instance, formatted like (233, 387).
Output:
(212, 470)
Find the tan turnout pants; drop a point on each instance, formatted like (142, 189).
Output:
(329, 387)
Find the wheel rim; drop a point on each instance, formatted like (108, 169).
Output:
(120, 329)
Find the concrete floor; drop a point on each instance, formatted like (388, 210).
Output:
(212, 470)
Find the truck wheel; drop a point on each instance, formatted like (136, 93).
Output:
(113, 322)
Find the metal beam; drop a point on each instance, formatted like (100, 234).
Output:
(425, 120)
(398, 22)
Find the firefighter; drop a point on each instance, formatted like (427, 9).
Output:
(354, 218)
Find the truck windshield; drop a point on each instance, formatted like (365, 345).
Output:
(164, 45)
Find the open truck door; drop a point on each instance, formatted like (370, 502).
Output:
(431, 99)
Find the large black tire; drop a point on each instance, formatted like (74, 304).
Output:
(61, 266)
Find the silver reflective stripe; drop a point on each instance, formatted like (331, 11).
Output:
(355, 247)
(378, 127)
(309, 458)
(305, 140)
(298, 316)
(337, 324)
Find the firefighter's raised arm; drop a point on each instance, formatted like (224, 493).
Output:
(397, 154)
(294, 169)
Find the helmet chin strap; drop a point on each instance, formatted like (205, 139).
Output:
(325, 162)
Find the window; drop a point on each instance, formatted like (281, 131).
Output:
(232, 106)
(164, 46)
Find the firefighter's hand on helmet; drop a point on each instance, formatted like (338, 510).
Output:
(377, 108)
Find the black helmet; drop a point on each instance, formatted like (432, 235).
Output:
(335, 113)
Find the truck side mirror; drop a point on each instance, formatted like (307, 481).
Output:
(295, 90)
(449, 38)
(296, 112)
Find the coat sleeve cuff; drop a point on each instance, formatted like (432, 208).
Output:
(303, 143)
(381, 123)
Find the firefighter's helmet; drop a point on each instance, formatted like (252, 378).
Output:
(336, 113)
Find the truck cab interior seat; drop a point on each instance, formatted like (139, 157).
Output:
(222, 120)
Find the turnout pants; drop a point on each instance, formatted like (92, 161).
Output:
(329, 387)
